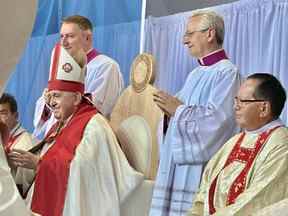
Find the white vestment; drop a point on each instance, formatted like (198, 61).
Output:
(266, 181)
(100, 178)
(21, 140)
(197, 130)
(103, 80)
(11, 204)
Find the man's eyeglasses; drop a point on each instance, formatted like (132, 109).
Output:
(243, 101)
(189, 34)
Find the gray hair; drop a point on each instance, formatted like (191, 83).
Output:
(210, 19)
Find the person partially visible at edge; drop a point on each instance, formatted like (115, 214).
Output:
(199, 119)
(79, 167)
(103, 80)
(250, 171)
(18, 137)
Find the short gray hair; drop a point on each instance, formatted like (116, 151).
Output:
(210, 19)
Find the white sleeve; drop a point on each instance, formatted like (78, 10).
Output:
(105, 86)
(197, 131)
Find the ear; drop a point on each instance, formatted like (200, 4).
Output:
(16, 115)
(211, 34)
(265, 109)
(87, 34)
(78, 98)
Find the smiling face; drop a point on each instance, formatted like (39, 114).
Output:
(198, 39)
(73, 38)
(8, 117)
(252, 113)
(63, 104)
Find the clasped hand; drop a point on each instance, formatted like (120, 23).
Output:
(167, 103)
(25, 159)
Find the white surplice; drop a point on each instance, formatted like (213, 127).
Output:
(11, 203)
(197, 130)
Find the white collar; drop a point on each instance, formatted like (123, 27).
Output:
(266, 127)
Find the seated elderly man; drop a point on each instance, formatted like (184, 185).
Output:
(250, 171)
(81, 169)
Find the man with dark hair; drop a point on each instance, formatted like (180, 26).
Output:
(103, 77)
(250, 171)
(11, 202)
(18, 137)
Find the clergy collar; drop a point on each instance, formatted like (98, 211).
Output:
(16, 127)
(91, 54)
(213, 58)
(266, 127)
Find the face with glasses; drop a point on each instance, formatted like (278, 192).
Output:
(250, 113)
(197, 38)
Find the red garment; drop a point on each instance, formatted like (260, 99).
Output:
(11, 140)
(53, 171)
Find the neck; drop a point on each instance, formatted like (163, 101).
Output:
(265, 126)
(87, 49)
(210, 50)
(13, 127)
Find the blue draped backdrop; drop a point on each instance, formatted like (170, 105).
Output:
(116, 33)
(256, 40)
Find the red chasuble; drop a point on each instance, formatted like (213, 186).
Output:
(53, 171)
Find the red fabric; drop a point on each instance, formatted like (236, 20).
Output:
(91, 55)
(213, 58)
(53, 171)
(11, 141)
(63, 85)
(55, 62)
(244, 155)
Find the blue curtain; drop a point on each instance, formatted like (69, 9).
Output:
(116, 33)
(256, 40)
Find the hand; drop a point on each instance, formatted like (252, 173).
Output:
(47, 96)
(167, 103)
(21, 158)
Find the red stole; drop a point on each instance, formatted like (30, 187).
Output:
(11, 141)
(53, 170)
(245, 155)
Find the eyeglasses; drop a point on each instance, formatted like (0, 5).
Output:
(243, 101)
(189, 34)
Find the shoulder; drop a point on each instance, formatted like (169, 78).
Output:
(102, 59)
(225, 67)
(281, 135)
(97, 123)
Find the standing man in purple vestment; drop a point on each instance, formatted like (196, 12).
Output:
(199, 118)
(103, 77)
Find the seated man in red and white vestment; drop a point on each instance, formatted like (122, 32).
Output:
(18, 137)
(250, 171)
(10, 201)
(80, 168)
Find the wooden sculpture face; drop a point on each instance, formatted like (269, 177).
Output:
(142, 72)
